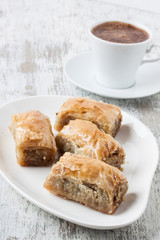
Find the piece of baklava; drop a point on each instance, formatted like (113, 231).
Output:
(88, 181)
(35, 143)
(84, 138)
(107, 117)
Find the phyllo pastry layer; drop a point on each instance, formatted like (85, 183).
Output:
(107, 117)
(35, 143)
(84, 138)
(88, 181)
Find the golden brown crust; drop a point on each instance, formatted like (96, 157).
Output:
(91, 171)
(90, 141)
(106, 116)
(32, 130)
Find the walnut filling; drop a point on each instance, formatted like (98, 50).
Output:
(115, 160)
(119, 192)
(88, 194)
(37, 157)
(66, 145)
(83, 192)
(117, 126)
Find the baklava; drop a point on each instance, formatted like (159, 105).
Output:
(107, 117)
(88, 181)
(84, 138)
(35, 143)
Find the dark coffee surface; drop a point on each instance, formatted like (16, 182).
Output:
(120, 32)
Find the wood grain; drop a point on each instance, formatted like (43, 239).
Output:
(36, 38)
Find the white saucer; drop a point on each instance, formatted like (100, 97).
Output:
(80, 71)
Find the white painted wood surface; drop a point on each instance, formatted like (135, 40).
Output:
(36, 38)
(147, 5)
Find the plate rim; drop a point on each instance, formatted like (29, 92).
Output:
(71, 219)
(93, 91)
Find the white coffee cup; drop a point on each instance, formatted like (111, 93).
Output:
(116, 64)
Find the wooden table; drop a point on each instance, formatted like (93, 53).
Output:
(36, 38)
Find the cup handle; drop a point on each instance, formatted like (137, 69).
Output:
(148, 51)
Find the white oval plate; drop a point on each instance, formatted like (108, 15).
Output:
(141, 161)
